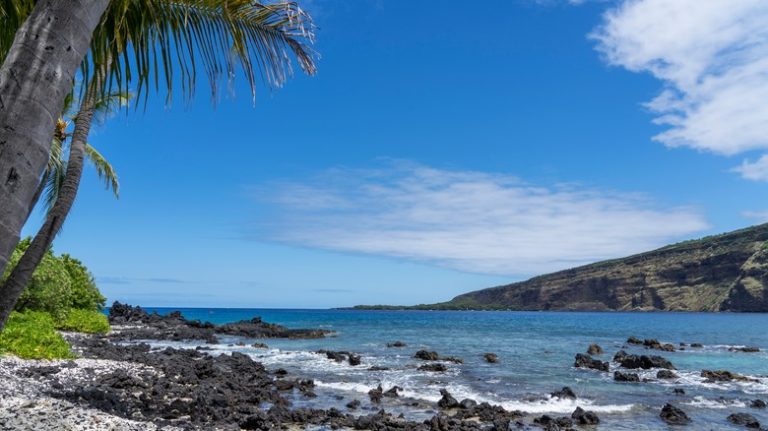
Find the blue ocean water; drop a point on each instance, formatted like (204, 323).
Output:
(536, 353)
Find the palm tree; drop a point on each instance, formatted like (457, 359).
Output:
(62, 184)
(135, 42)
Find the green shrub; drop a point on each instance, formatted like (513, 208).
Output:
(85, 294)
(59, 283)
(49, 289)
(90, 322)
(32, 335)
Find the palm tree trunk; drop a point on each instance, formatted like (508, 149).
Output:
(21, 274)
(38, 193)
(36, 75)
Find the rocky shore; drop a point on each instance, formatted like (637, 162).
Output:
(120, 384)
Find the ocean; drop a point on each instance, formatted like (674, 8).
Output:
(536, 353)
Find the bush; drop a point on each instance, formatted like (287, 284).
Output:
(49, 289)
(32, 335)
(90, 322)
(85, 294)
(59, 283)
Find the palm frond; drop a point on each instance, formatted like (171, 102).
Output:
(13, 13)
(147, 42)
(53, 186)
(56, 156)
(104, 169)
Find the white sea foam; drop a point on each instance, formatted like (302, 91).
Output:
(719, 403)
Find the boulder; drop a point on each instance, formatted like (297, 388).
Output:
(353, 405)
(673, 415)
(582, 417)
(447, 401)
(467, 404)
(757, 404)
(434, 368)
(666, 374)
(634, 340)
(626, 377)
(491, 358)
(586, 361)
(566, 392)
(376, 394)
(645, 362)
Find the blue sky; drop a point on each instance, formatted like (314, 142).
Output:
(440, 149)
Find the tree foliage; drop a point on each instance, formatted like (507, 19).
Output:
(59, 283)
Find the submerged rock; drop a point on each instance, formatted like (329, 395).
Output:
(594, 349)
(586, 361)
(744, 419)
(744, 349)
(757, 404)
(724, 376)
(396, 344)
(491, 358)
(434, 368)
(673, 415)
(426, 355)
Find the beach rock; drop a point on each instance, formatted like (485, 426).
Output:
(654, 344)
(594, 349)
(553, 424)
(425, 355)
(626, 377)
(582, 417)
(641, 361)
(396, 344)
(744, 349)
(491, 358)
(724, 376)
(586, 361)
(467, 404)
(634, 340)
(757, 404)
(434, 368)
(353, 405)
(744, 419)
(666, 374)
(354, 359)
(376, 394)
(392, 392)
(447, 401)
(673, 415)
(566, 393)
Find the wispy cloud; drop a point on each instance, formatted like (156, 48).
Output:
(712, 57)
(129, 280)
(758, 216)
(470, 221)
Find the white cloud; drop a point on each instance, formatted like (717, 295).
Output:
(712, 57)
(470, 221)
(759, 216)
(755, 171)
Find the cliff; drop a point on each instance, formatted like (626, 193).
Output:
(727, 272)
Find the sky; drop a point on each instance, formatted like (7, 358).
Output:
(441, 148)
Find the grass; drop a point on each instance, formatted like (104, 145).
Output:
(89, 322)
(32, 335)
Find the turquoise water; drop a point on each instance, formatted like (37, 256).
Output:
(536, 352)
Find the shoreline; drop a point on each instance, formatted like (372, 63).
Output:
(129, 385)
